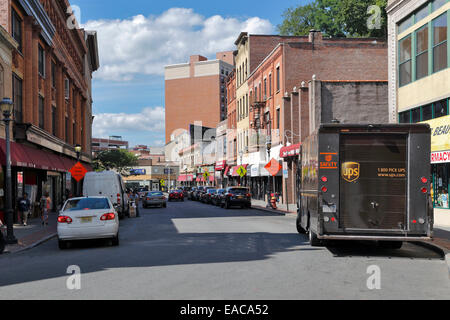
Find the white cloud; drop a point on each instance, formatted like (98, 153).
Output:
(148, 121)
(144, 45)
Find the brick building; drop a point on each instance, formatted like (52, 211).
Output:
(195, 92)
(275, 114)
(112, 143)
(51, 88)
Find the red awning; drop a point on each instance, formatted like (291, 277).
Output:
(227, 170)
(28, 157)
(291, 151)
(220, 165)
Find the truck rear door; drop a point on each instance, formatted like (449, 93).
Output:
(373, 181)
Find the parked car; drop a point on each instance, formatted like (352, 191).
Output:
(108, 184)
(186, 191)
(176, 195)
(191, 193)
(208, 196)
(237, 196)
(197, 193)
(216, 198)
(142, 192)
(154, 198)
(87, 218)
(203, 194)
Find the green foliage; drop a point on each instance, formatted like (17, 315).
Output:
(119, 160)
(337, 18)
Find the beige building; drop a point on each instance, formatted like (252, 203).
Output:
(419, 80)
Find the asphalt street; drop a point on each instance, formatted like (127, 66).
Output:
(196, 251)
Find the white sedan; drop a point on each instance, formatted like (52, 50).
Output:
(88, 218)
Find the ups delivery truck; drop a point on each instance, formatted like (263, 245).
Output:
(366, 182)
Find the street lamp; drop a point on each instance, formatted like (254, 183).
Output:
(7, 107)
(78, 151)
(269, 147)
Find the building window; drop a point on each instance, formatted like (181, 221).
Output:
(278, 79)
(66, 88)
(440, 43)
(415, 115)
(74, 140)
(41, 112)
(438, 4)
(54, 120)
(427, 112)
(246, 103)
(422, 13)
(405, 117)
(265, 88)
(41, 61)
(17, 94)
(405, 61)
(270, 85)
(422, 52)
(440, 109)
(16, 24)
(405, 24)
(53, 74)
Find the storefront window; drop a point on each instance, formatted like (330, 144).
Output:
(427, 112)
(441, 185)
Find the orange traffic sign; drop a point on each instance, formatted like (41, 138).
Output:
(273, 167)
(78, 172)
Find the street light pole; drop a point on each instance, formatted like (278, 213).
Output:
(269, 147)
(7, 107)
(78, 151)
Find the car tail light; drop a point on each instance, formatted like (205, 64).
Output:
(424, 180)
(65, 219)
(108, 216)
(324, 189)
(324, 179)
(424, 190)
(249, 195)
(148, 199)
(118, 198)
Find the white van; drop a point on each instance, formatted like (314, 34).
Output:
(107, 184)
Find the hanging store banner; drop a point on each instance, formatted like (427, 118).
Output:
(440, 134)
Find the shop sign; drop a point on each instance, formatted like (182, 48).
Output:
(440, 157)
(440, 134)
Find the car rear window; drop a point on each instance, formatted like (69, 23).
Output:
(153, 194)
(238, 191)
(87, 204)
(211, 191)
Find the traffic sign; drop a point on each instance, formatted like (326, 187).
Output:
(273, 167)
(241, 171)
(206, 175)
(162, 182)
(78, 172)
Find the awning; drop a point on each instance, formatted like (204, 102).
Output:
(220, 165)
(227, 171)
(291, 151)
(28, 157)
(185, 178)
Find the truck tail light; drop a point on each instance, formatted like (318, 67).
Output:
(324, 179)
(65, 219)
(424, 180)
(424, 190)
(324, 189)
(249, 195)
(108, 216)
(118, 198)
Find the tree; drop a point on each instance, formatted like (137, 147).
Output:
(118, 159)
(337, 18)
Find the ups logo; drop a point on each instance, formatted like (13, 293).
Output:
(350, 171)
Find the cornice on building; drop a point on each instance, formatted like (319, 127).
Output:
(35, 9)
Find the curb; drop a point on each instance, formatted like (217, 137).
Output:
(445, 253)
(33, 245)
(275, 212)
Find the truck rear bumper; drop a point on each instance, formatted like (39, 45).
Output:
(374, 238)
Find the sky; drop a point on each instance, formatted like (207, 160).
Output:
(137, 38)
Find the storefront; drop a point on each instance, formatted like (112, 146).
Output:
(440, 161)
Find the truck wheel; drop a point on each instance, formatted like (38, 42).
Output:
(390, 244)
(313, 240)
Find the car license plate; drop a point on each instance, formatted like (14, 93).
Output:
(240, 197)
(86, 219)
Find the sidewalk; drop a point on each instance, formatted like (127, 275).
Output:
(282, 208)
(33, 234)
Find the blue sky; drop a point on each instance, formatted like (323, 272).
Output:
(137, 38)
